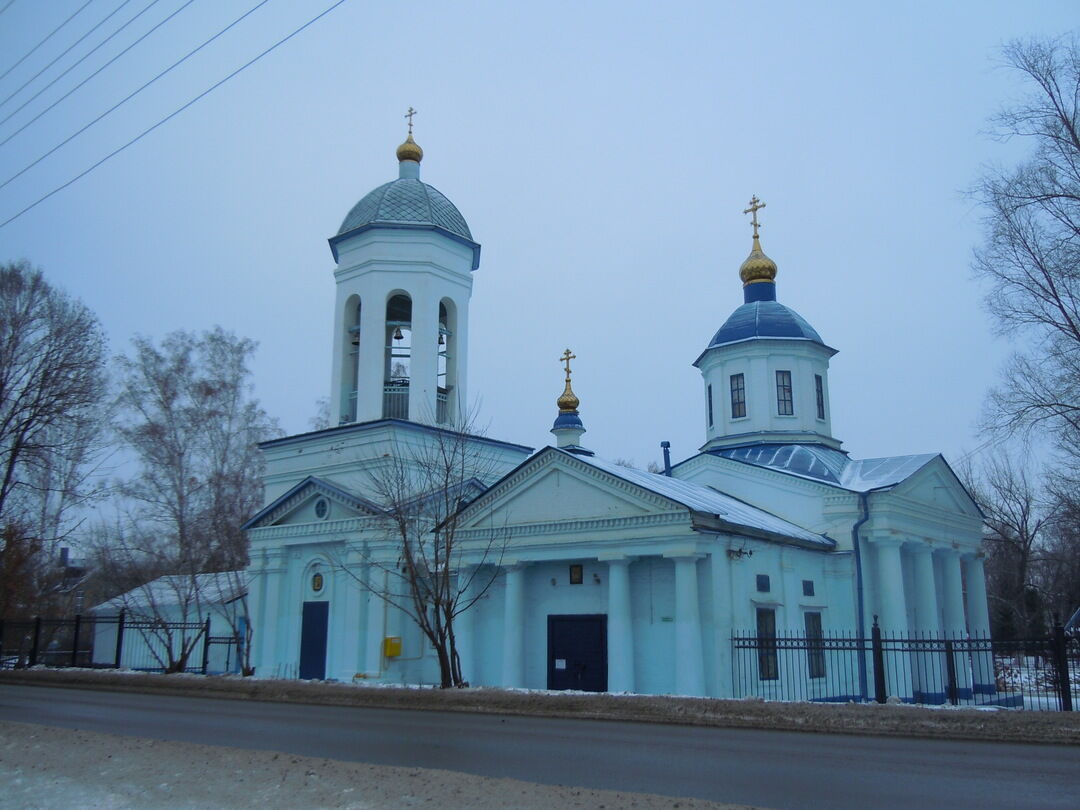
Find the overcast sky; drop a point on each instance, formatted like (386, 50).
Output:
(602, 154)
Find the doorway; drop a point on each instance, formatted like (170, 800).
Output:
(313, 641)
(577, 652)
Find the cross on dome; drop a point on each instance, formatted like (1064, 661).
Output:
(410, 115)
(755, 206)
(566, 358)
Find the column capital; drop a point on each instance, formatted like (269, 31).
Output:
(918, 548)
(887, 542)
(615, 559)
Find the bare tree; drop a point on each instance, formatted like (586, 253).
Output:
(188, 415)
(430, 574)
(1031, 252)
(52, 389)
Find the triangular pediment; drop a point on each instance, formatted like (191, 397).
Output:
(552, 487)
(313, 500)
(936, 485)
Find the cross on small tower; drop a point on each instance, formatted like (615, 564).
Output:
(566, 358)
(755, 206)
(409, 115)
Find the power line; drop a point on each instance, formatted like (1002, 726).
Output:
(92, 75)
(47, 38)
(171, 115)
(65, 52)
(10, 3)
(134, 93)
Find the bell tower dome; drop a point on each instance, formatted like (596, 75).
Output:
(405, 258)
(766, 370)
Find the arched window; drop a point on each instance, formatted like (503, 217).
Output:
(444, 398)
(398, 357)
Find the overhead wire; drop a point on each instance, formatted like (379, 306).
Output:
(47, 38)
(172, 115)
(64, 53)
(134, 93)
(89, 53)
(8, 5)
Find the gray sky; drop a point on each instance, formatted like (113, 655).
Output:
(602, 154)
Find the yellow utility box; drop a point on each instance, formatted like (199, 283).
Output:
(392, 646)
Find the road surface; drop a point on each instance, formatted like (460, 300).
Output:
(766, 768)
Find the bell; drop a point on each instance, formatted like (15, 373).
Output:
(355, 339)
(442, 340)
(397, 333)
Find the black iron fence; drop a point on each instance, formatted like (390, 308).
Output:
(1037, 673)
(114, 642)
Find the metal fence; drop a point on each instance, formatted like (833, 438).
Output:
(112, 642)
(1037, 673)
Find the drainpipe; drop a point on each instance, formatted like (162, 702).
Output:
(667, 457)
(864, 503)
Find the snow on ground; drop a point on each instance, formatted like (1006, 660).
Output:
(43, 768)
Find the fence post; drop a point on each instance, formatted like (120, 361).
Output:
(119, 639)
(879, 662)
(36, 641)
(950, 672)
(1061, 665)
(206, 646)
(75, 641)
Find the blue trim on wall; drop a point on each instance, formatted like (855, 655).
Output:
(406, 226)
(931, 698)
(984, 689)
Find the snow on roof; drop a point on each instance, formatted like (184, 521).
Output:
(710, 501)
(210, 589)
(830, 466)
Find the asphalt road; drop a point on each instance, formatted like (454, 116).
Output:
(766, 768)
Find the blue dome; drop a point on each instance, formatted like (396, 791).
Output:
(764, 319)
(407, 201)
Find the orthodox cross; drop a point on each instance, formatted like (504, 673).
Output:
(566, 358)
(409, 115)
(755, 206)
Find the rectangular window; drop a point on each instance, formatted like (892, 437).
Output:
(819, 385)
(710, 406)
(577, 574)
(784, 404)
(808, 587)
(763, 583)
(738, 396)
(815, 646)
(766, 637)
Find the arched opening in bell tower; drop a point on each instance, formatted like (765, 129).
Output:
(350, 373)
(445, 410)
(397, 364)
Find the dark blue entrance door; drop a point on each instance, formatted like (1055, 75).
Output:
(577, 652)
(313, 640)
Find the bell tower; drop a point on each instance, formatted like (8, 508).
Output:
(405, 258)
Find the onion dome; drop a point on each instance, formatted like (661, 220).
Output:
(568, 427)
(410, 150)
(758, 267)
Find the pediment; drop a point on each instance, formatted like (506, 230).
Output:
(301, 504)
(936, 485)
(552, 488)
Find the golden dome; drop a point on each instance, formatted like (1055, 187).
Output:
(410, 150)
(568, 401)
(758, 266)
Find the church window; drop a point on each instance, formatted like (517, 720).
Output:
(763, 585)
(766, 638)
(738, 396)
(785, 406)
(322, 508)
(710, 407)
(808, 587)
(815, 646)
(819, 385)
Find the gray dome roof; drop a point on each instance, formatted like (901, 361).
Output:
(407, 201)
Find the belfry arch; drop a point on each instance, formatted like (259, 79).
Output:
(397, 356)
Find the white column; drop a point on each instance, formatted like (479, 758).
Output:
(424, 366)
(952, 598)
(267, 635)
(513, 668)
(891, 602)
(979, 623)
(373, 639)
(464, 627)
(929, 666)
(689, 660)
(350, 591)
(620, 628)
(370, 373)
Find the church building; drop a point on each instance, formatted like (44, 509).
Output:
(607, 578)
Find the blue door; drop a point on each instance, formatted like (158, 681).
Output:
(313, 640)
(577, 652)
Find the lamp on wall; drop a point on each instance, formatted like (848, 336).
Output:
(596, 578)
